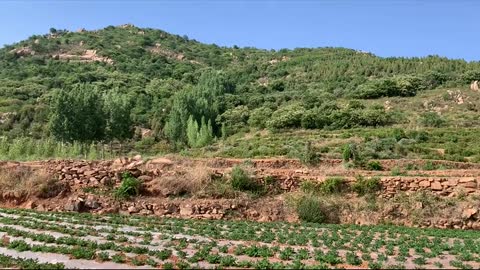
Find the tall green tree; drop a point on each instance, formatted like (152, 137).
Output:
(77, 115)
(204, 101)
(118, 109)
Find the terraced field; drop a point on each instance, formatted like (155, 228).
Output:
(66, 240)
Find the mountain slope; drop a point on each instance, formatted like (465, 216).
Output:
(152, 67)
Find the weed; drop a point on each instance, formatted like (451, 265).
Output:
(374, 166)
(332, 185)
(130, 187)
(366, 186)
(310, 155)
(241, 181)
(310, 209)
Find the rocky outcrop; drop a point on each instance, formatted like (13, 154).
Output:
(474, 86)
(24, 51)
(87, 180)
(87, 56)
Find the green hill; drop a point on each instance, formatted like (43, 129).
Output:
(190, 93)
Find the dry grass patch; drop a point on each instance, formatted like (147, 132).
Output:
(21, 182)
(187, 181)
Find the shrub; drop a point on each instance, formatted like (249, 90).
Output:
(288, 116)
(130, 187)
(396, 171)
(310, 209)
(431, 119)
(429, 166)
(366, 186)
(332, 185)
(241, 181)
(309, 186)
(374, 166)
(351, 153)
(309, 156)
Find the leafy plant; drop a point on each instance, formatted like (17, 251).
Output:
(309, 155)
(310, 209)
(366, 186)
(130, 187)
(332, 185)
(240, 180)
(374, 166)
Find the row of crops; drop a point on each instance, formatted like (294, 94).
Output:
(71, 240)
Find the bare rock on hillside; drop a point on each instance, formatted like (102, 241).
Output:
(76, 205)
(474, 86)
(24, 51)
(469, 212)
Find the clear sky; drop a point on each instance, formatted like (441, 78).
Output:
(384, 27)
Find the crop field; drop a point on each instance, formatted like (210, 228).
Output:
(64, 240)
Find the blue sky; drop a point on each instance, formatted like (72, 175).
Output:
(383, 27)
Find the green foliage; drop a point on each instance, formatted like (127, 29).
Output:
(130, 187)
(309, 155)
(199, 136)
(78, 115)
(332, 185)
(351, 153)
(158, 81)
(374, 166)
(431, 119)
(286, 117)
(241, 181)
(403, 86)
(364, 186)
(259, 117)
(202, 104)
(310, 209)
(233, 120)
(119, 123)
(24, 148)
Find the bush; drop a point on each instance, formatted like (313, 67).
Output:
(366, 186)
(309, 156)
(241, 181)
(351, 153)
(309, 209)
(309, 186)
(332, 185)
(130, 187)
(431, 119)
(288, 116)
(374, 166)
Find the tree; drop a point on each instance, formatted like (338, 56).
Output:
(199, 136)
(77, 115)
(204, 101)
(118, 108)
(192, 132)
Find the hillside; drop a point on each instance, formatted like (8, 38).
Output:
(168, 79)
(133, 148)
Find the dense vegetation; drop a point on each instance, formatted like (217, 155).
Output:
(192, 94)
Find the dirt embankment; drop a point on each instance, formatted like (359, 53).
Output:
(184, 188)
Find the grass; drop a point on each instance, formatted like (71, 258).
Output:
(23, 182)
(457, 144)
(130, 187)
